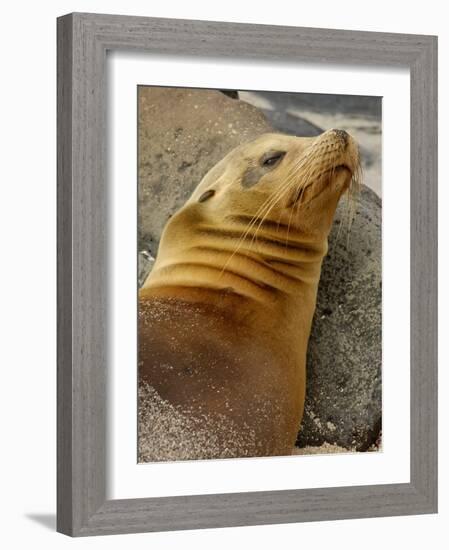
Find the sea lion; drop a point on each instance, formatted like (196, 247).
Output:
(226, 312)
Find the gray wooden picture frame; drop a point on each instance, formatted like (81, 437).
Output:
(83, 40)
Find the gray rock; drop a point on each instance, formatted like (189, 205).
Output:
(344, 361)
(286, 123)
(368, 106)
(176, 149)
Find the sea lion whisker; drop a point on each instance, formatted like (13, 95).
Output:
(241, 240)
(267, 211)
(278, 198)
(297, 203)
(248, 229)
(289, 224)
(295, 206)
(353, 191)
(351, 201)
(284, 188)
(255, 217)
(262, 211)
(307, 167)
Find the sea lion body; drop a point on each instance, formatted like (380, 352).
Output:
(225, 314)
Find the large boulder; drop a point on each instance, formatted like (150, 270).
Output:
(344, 359)
(182, 134)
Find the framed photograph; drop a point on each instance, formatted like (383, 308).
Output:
(247, 274)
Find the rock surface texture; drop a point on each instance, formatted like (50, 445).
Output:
(344, 359)
(182, 134)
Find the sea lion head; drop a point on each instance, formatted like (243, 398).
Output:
(272, 199)
(282, 179)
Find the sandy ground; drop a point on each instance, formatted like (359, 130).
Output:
(165, 434)
(324, 449)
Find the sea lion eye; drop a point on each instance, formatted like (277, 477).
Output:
(206, 195)
(270, 159)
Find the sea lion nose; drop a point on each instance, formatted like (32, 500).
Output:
(342, 135)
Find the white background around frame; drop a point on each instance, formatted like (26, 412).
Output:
(27, 289)
(128, 479)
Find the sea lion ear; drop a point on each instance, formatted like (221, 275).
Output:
(206, 195)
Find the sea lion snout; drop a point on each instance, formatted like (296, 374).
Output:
(342, 135)
(343, 149)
